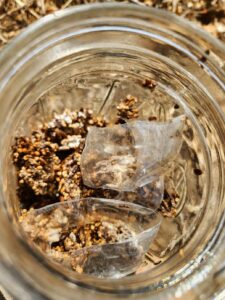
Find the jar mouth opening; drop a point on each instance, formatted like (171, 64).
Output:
(137, 282)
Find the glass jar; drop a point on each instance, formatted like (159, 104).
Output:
(92, 56)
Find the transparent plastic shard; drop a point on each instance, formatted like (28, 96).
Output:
(149, 195)
(128, 156)
(100, 237)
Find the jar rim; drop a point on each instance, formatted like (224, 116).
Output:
(26, 35)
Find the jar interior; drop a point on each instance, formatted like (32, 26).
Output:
(111, 75)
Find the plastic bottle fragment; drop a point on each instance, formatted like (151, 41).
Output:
(128, 156)
(149, 195)
(100, 237)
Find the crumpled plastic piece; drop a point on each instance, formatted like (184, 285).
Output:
(149, 195)
(120, 256)
(108, 159)
(128, 156)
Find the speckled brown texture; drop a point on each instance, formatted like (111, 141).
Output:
(48, 161)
